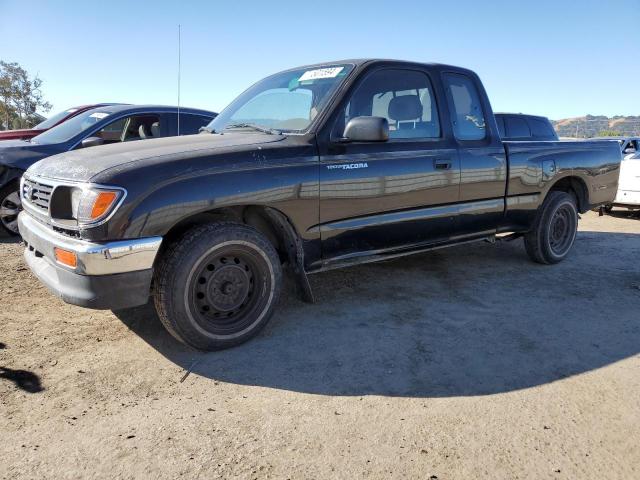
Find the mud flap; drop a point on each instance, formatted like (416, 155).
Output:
(295, 254)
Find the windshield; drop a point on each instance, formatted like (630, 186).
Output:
(51, 121)
(287, 101)
(72, 127)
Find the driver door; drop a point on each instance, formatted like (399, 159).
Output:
(381, 196)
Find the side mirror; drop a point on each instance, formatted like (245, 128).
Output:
(91, 142)
(367, 129)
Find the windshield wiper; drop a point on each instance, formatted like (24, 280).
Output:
(253, 126)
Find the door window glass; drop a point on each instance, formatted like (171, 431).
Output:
(135, 127)
(190, 123)
(632, 147)
(403, 97)
(500, 122)
(465, 107)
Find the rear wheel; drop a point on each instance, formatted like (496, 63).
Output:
(10, 207)
(554, 230)
(218, 285)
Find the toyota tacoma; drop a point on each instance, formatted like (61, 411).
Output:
(310, 169)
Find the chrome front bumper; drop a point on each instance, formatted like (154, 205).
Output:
(110, 275)
(93, 258)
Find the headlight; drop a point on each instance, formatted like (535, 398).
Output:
(92, 204)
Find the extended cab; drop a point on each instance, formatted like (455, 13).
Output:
(310, 169)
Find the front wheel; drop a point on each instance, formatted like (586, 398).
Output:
(217, 286)
(10, 207)
(554, 230)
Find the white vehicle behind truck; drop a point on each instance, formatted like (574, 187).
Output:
(628, 195)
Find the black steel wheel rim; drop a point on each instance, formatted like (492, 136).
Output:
(229, 289)
(561, 230)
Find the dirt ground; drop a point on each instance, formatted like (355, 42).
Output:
(470, 362)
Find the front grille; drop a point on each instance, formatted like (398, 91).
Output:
(37, 194)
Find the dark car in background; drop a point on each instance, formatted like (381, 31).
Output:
(46, 124)
(518, 126)
(99, 126)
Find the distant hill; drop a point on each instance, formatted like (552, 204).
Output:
(597, 125)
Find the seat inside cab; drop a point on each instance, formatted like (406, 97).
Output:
(128, 129)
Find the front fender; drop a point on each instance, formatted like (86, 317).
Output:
(291, 189)
(9, 174)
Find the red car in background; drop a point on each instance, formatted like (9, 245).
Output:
(58, 118)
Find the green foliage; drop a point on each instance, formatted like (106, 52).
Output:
(609, 133)
(20, 97)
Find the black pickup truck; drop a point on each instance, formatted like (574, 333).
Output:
(310, 169)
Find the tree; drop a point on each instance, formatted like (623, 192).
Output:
(20, 96)
(608, 133)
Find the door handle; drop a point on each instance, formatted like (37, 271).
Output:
(442, 164)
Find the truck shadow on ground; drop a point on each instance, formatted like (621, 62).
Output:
(635, 214)
(473, 320)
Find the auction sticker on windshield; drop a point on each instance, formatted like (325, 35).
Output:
(319, 73)
(99, 115)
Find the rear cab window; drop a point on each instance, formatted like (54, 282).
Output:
(517, 127)
(541, 129)
(465, 106)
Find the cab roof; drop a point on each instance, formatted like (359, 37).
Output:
(362, 62)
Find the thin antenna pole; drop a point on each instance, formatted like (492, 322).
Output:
(179, 59)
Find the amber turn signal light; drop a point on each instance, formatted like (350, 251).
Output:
(66, 257)
(103, 203)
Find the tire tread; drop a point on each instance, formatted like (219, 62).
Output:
(534, 240)
(171, 262)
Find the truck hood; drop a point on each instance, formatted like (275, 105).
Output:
(20, 154)
(82, 165)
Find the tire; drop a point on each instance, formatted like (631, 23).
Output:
(217, 286)
(10, 207)
(554, 229)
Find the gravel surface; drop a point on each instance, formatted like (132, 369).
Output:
(469, 362)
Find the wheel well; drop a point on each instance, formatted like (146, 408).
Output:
(272, 223)
(577, 187)
(10, 184)
(253, 215)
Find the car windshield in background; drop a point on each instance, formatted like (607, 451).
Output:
(51, 121)
(72, 127)
(287, 101)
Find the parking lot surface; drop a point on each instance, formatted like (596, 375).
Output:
(469, 362)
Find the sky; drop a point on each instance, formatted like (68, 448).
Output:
(557, 58)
